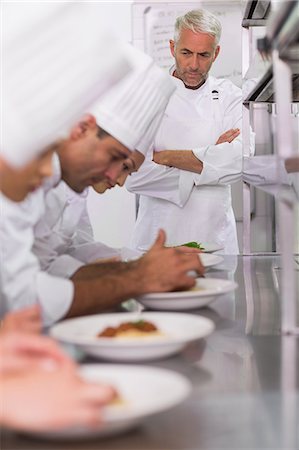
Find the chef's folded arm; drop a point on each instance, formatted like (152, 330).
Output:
(155, 180)
(220, 164)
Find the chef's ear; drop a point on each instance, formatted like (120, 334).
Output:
(171, 46)
(88, 122)
(216, 52)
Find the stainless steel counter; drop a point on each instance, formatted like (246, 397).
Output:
(245, 377)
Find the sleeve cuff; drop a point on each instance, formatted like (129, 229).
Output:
(92, 251)
(55, 295)
(65, 266)
(200, 153)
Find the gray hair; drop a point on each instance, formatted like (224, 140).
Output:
(199, 21)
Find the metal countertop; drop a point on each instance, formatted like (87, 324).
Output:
(245, 377)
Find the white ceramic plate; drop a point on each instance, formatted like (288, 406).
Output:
(156, 390)
(177, 330)
(209, 247)
(208, 290)
(209, 260)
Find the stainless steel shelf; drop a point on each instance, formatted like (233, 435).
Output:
(256, 13)
(264, 89)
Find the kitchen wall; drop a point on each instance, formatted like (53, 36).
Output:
(113, 213)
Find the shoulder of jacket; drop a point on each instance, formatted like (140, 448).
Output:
(226, 86)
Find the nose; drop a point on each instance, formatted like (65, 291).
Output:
(194, 62)
(113, 172)
(121, 179)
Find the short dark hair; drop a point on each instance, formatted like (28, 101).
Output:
(101, 133)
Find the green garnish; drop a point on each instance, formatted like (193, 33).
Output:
(193, 244)
(138, 323)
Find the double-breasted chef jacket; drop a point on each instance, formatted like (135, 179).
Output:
(191, 206)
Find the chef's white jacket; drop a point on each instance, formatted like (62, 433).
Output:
(44, 240)
(63, 236)
(191, 206)
(23, 283)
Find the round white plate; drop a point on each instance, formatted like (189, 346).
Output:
(177, 331)
(209, 260)
(208, 290)
(144, 391)
(209, 247)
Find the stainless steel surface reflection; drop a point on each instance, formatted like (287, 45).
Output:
(244, 376)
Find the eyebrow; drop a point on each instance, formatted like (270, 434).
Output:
(130, 163)
(120, 152)
(206, 52)
(133, 163)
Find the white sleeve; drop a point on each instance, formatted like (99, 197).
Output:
(22, 281)
(156, 180)
(265, 169)
(63, 236)
(222, 163)
(46, 242)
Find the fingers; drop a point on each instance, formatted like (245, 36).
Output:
(228, 136)
(89, 417)
(185, 249)
(37, 347)
(160, 240)
(27, 320)
(233, 135)
(193, 262)
(98, 394)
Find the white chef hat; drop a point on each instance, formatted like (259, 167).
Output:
(127, 112)
(54, 68)
(147, 141)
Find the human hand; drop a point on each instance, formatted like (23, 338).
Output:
(27, 320)
(162, 157)
(228, 136)
(186, 249)
(46, 401)
(165, 269)
(19, 351)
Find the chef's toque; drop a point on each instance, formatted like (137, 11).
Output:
(53, 70)
(127, 112)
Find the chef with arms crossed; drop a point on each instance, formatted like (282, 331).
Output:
(184, 185)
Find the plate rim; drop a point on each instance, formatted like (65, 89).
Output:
(189, 294)
(103, 343)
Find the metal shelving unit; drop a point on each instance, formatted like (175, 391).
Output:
(256, 13)
(279, 88)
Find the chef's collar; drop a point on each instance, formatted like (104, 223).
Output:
(55, 178)
(203, 89)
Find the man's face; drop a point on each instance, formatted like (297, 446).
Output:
(89, 159)
(16, 184)
(194, 55)
(130, 165)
